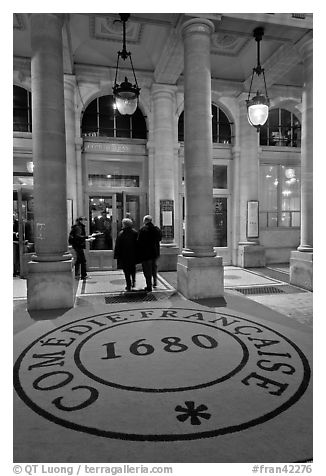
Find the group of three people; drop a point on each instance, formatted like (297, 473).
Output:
(131, 247)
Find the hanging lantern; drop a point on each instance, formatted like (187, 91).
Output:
(126, 94)
(258, 106)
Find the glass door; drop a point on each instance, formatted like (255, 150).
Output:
(23, 229)
(106, 213)
(100, 221)
(131, 208)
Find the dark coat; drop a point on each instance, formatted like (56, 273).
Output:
(78, 232)
(149, 238)
(125, 250)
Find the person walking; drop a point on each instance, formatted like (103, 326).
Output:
(149, 238)
(125, 252)
(77, 239)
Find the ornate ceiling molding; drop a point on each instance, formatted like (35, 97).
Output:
(108, 28)
(18, 20)
(228, 44)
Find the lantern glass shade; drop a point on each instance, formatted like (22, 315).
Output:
(258, 110)
(125, 104)
(126, 97)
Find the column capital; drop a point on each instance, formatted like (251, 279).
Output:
(236, 151)
(79, 143)
(163, 89)
(69, 80)
(150, 146)
(197, 25)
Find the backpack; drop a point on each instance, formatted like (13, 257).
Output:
(71, 238)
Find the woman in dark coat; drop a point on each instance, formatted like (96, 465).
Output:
(125, 251)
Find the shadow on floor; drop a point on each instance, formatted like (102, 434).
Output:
(211, 302)
(49, 314)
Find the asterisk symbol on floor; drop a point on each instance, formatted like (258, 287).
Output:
(192, 413)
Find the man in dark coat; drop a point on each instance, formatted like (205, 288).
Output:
(77, 239)
(149, 238)
(125, 251)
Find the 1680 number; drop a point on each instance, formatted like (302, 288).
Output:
(173, 344)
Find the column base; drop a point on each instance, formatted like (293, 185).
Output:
(168, 258)
(50, 285)
(251, 256)
(200, 278)
(301, 269)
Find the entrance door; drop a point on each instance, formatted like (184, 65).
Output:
(106, 212)
(23, 228)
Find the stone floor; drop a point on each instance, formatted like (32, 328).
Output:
(159, 378)
(295, 303)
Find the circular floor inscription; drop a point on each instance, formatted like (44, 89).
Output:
(161, 374)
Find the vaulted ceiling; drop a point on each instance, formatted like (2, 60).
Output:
(155, 42)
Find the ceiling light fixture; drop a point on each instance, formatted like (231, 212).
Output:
(126, 95)
(258, 106)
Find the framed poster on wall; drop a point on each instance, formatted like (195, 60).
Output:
(167, 220)
(252, 219)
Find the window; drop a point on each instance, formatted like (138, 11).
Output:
(101, 180)
(221, 127)
(281, 129)
(279, 196)
(22, 120)
(100, 119)
(220, 179)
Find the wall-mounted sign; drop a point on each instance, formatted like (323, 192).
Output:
(220, 221)
(252, 219)
(167, 219)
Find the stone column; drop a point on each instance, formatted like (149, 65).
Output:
(200, 272)
(250, 253)
(163, 102)
(301, 261)
(50, 278)
(69, 92)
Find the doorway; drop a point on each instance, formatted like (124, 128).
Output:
(23, 228)
(106, 212)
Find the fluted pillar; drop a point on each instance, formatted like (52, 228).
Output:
(50, 280)
(163, 105)
(200, 272)
(250, 253)
(301, 262)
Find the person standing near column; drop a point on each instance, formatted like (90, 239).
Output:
(125, 252)
(149, 238)
(77, 239)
